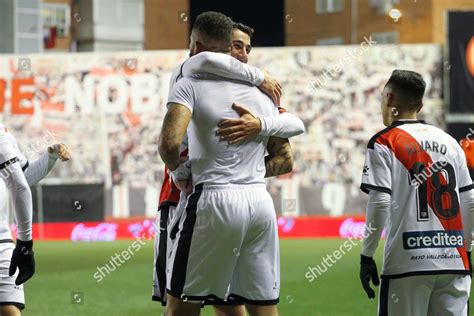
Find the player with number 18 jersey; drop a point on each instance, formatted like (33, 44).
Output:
(424, 170)
(421, 192)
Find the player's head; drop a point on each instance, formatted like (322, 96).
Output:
(211, 32)
(241, 42)
(402, 96)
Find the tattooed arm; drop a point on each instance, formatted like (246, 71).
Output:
(172, 133)
(280, 159)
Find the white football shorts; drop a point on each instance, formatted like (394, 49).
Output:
(226, 247)
(434, 295)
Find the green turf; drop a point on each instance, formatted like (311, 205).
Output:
(65, 267)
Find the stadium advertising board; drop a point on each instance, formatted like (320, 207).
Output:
(288, 227)
(108, 109)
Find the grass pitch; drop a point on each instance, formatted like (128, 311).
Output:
(64, 284)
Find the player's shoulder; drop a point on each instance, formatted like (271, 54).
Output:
(377, 136)
(392, 133)
(440, 135)
(445, 135)
(177, 73)
(184, 83)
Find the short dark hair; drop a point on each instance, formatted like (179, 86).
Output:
(244, 28)
(409, 87)
(214, 26)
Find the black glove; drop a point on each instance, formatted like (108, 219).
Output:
(470, 262)
(22, 258)
(368, 270)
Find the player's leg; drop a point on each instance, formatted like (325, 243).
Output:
(257, 310)
(12, 298)
(202, 261)
(160, 254)
(166, 224)
(408, 296)
(256, 279)
(178, 307)
(450, 296)
(9, 310)
(223, 310)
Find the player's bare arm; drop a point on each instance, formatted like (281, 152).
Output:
(246, 127)
(174, 128)
(280, 158)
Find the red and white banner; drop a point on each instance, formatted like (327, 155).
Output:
(108, 109)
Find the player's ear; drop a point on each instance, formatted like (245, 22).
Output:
(390, 99)
(419, 109)
(199, 47)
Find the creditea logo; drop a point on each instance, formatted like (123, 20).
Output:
(433, 239)
(100, 232)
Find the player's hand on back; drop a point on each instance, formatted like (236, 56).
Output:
(60, 151)
(245, 128)
(22, 258)
(368, 271)
(272, 88)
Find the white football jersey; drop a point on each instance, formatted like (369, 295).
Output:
(9, 147)
(424, 170)
(210, 100)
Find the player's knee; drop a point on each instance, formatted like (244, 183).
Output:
(230, 310)
(176, 307)
(9, 310)
(257, 310)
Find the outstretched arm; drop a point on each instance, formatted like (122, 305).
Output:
(172, 133)
(40, 167)
(280, 159)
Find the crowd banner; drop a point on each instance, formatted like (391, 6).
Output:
(108, 108)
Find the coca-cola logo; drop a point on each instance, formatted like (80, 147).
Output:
(351, 228)
(100, 232)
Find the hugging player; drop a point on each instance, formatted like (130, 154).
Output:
(247, 127)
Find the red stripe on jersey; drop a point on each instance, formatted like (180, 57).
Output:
(169, 191)
(408, 151)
